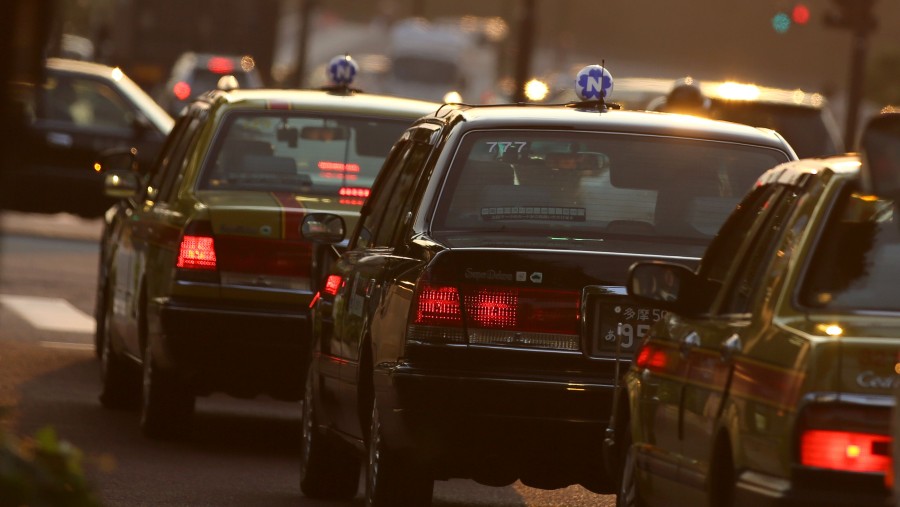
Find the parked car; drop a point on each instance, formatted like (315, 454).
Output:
(196, 73)
(80, 111)
(770, 379)
(204, 280)
(447, 336)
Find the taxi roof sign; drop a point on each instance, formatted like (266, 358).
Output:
(594, 82)
(342, 70)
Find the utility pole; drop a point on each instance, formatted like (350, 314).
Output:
(522, 72)
(856, 16)
(306, 11)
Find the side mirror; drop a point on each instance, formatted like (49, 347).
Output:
(120, 184)
(880, 147)
(323, 228)
(662, 285)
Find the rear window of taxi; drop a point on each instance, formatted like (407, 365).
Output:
(598, 185)
(856, 263)
(299, 152)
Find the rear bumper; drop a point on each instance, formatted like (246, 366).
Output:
(813, 488)
(241, 351)
(463, 422)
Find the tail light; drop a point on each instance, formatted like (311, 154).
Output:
(332, 284)
(220, 65)
(354, 192)
(845, 450)
(197, 254)
(495, 316)
(651, 358)
(845, 437)
(182, 90)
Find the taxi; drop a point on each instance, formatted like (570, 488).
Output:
(204, 280)
(448, 337)
(770, 379)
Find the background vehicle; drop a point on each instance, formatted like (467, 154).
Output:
(770, 380)
(204, 279)
(81, 110)
(447, 337)
(197, 73)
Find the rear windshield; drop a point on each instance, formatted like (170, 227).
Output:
(856, 263)
(809, 131)
(597, 185)
(298, 152)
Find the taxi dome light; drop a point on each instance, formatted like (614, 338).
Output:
(594, 82)
(452, 98)
(228, 83)
(536, 90)
(342, 70)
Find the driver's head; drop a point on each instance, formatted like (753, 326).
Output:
(687, 98)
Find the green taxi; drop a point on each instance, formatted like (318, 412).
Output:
(770, 380)
(205, 282)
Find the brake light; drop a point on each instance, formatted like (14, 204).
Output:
(332, 284)
(220, 65)
(182, 90)
(354, 192)
(197, 252)
(651, 358)
(438, 305)
(324, 165)
(845, 450)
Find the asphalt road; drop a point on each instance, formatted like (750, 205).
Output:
(241, 452)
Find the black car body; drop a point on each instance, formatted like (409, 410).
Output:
(82, 110)
(449, 336)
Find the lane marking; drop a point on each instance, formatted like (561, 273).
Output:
(49, 314)
(68, 346)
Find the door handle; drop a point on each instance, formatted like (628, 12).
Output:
(730, 347)
(370, 287)
(690, 341)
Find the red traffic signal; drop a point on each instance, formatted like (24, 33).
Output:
(800, 14)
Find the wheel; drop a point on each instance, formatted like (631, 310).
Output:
(327, 470)
(391, 480)
(119, 385)
(167, 404)
(629, 493)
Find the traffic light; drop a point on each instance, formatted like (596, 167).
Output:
(798, 14)
(852, 15)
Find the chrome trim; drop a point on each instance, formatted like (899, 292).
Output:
(455, 378)
(553, 250)
(248, 288)
(868, 400)
(521, 349)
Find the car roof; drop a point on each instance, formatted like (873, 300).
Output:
(635, 122)
(321, 100)
(795, 172)
(729, 91)
(80, 66)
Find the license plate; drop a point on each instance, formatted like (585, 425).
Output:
(615, 326)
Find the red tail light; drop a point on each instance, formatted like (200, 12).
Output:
(332, 284)
(325, 165)
(844, 450)
(197, 252)
(652, 358)
(182, 90)
(496, 316)
(220, 65)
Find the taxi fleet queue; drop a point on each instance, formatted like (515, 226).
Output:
(673, 309)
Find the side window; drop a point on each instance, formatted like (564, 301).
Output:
(401, 197)
(165, 153)
(373, 210)
(163, 181)
(759, 256)
(724, 248)
(86, 102)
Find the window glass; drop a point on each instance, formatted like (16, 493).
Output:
(381, 194)
(162, 182)
(297, 152)
(86, 102)
(759, 256)
(400, 195)
(598, 185)
(855, 265)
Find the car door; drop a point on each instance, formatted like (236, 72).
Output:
(366, 268)
(718, 341)
(145, 232)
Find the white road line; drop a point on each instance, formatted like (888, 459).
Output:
(49, 314)
(68, 346)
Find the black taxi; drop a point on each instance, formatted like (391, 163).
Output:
(449, 338)
(770, 380)
(204, 280)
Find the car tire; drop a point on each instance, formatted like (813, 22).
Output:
(629, 494)
(327, 470)
(390, 479)
(119, 388)
(167, 404)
